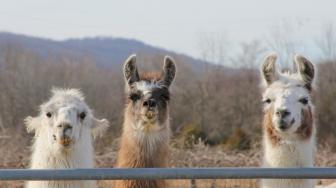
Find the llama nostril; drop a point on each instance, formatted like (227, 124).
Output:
(65, 126)
(282, 113)
(286, 113)
(145, 103)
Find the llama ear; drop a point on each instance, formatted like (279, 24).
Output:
(169, 71)
(32, 124)
(268, 69)
(130, 70)
(306, 70)
(99, 127)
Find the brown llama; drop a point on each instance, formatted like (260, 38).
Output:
(146, 131)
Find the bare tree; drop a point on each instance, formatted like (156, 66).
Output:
(213, 47)
(283, 40)
(249, 54)
(327, 42)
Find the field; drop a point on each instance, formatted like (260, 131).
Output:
(15, 155)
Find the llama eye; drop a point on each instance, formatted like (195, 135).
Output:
(82, 115)
(134, 96)
(268, 100)
(304, 101)
(48, 115)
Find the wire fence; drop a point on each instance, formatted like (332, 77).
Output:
(167, 173)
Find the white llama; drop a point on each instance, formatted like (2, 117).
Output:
(289, 130)
(63, 137)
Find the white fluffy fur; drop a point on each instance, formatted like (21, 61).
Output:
(285, 91)
(293, 153)
(49, 155)
(146, 87)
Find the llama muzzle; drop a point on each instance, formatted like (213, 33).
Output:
(150, 114)
(65, 141)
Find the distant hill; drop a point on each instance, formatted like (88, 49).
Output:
(106, 51)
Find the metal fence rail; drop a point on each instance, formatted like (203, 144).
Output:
(168, 173)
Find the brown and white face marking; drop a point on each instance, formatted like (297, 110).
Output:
(148, 94)
(287, 97)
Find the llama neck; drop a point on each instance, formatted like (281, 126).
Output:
(45, 155)
(138, 147)
(289, 154)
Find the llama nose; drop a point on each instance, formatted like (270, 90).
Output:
(151, 103)
(283, 125)
(282, 113)
(65, 126)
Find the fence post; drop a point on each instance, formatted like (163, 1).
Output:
(193, 183)
(213, 184)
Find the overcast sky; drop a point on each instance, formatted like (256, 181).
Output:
(172, 24)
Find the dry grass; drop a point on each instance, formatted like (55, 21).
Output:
(16, 155)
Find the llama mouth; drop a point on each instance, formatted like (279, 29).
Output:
(283, 125)
(65, 141)
(150, 115)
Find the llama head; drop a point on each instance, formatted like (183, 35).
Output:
(64, 119)
(287, 96)
(148, 94)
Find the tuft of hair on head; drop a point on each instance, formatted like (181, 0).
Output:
(268, 69)
(67, 92)
(166, 78)
(305, 69)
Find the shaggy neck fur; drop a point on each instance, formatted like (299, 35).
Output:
(292, 150)
(142, 149)
(45, 157)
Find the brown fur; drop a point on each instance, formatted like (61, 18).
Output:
(136, 154)
(148, 150)
(269, 128)
(151, 76)
(304, 131)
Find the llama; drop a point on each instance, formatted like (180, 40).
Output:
(63, 131)
(146, 130)
(288, 125)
